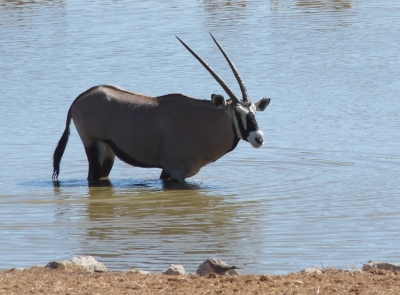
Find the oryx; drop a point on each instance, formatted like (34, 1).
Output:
(173, 132)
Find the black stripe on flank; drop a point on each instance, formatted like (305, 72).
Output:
(127, 158)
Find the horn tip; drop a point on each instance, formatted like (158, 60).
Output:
(180, 40)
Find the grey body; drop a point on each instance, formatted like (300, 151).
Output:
(170, 132)
(174, 132)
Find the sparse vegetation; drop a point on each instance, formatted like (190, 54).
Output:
(77, 281)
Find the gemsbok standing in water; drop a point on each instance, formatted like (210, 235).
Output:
(173, 132)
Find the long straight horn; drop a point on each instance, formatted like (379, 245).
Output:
(235, 72)
(214, 74)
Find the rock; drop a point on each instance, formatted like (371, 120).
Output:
(174, 269)
(87, 262)
(58, 264)
(140, 272)
(232, 272)
(311, 270)
(298, 283)
(215, 266)
(380, 265)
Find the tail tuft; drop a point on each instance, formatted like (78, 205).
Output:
(59, 151)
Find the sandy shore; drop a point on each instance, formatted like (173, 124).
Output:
(75, 280)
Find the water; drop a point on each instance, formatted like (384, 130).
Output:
(323, 190)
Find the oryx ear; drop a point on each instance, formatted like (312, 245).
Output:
(218, 101)
(262, 104)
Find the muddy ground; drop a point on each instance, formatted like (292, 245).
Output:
(77, 281)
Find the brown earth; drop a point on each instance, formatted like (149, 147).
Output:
(77, 281)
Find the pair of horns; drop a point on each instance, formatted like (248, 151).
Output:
(217, 78)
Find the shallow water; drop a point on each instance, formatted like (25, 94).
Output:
(322, 190)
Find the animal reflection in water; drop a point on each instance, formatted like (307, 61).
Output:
(173, 132)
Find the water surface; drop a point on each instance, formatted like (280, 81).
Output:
(322, 190)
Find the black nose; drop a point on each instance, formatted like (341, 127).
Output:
(259, 140)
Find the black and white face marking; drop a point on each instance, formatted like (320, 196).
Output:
(246, 124)
(244, 117)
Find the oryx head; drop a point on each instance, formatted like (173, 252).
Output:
(243, 111)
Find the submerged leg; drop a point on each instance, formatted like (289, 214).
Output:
(108, 162)
(178, 172)
(174, 176)
(95, 153)
(164, 175)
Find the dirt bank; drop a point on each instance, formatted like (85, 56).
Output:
(77, 281)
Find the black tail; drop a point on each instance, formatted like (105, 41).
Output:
(62, 143)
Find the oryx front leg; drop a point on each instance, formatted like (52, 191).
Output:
(164, 175)
(178, 173)
(95, 153)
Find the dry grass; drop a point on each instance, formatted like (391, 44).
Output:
(76, 281)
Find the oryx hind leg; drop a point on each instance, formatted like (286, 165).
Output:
(95, 153)
(108, 162)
